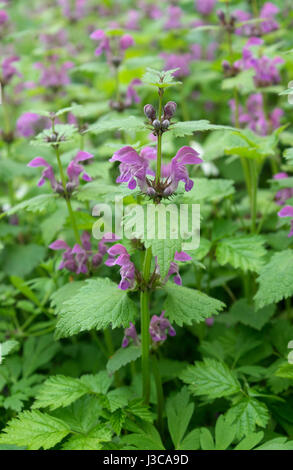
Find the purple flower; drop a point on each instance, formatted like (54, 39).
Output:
(54, 74)
(176, 170)
(47, 173)
(3, 17)
(8, 69)
(132, 21)
(174, 268)
(130, 333)
(284, 193)
(134, 167)
(210, 321)
(205, 7)
(114, 47)
(74, 168)
(120, 256)
(254, 117)
(30, 124)
(80, 257)
(287, 211)
(131, 93)
(266, 72)
(160, 327)
(73, 10)
(58, 39)
(174, 18)
(269, 24)
(151, 10)
(180, 61)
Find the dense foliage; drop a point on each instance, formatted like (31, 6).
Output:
(116, 342)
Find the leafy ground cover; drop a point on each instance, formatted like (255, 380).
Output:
(118, 342)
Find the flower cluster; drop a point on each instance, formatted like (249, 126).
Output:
(287, 211)
(130, 97)
(54, 74)
(266, 71)
(118, 255)
(30, 124)
(205, 7)
(74, 170)
(81, 257)
(9, 70)
(254, 116)
(134, 169)
(159, 328)
(285, 193)
(113, 46)
(267, 25)
(73, 10)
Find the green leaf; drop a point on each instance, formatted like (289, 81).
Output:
(275, 279)
(246, 314)
(138, 408)
(38, 352)
(191, 441)
(185, 306)
(147, 439)
(178, 420)
(210, 378)
(247, 414)
(285, 371)
(59, 391)
(245, 252)
(8, 347)
(160, 79)
(130, 123)
(224, 433)
(21, 285)
(181, 129)
(206, 190)
(96, 305)
(98, 383)
(38, 204)
(20, 260)
(250, 441)
(65, 293)
(280, 443)
(206, 439)
(91, 441)
(165, 251)
(123, 356)
(34, 430)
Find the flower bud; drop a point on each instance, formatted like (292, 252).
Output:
(169, 109)
(150, 112)
(222, 17)
(157, 124)
(165, 124)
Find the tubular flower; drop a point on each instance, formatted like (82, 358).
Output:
(174, 268)
(134, 167)
(80, 257)
(287, 211)
(266, 71)
(48, 172)
(267, 25)
(160, 327)
(74, 168)
(8, 69)
(130, 333)
(113, 47)
(54, 74)
(176, 171)
(205, 7)
(120, 256)
(73, 10)
(30, 124)
(285, 193)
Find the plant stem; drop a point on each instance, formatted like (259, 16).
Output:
(160, 394)
(254, 185)
(159, 143)
(145, 323)
(67, 199)
(117, 84)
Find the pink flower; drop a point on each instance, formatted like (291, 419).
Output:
(287, 211)
(8, 70)
(205, 7)
(74, 168)
(284, 193)
(30, 124)
(47, 173)
(130, 333)
(176, 170)
(160, 327)
(120, 256)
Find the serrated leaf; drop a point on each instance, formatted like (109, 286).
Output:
(37, 352)
(123, 356)
(205, 190)
(91, 441)
(178, 421)
(147, 439)
(124, 123)
(185, 306)
(244, 252)
(97, 304)
(165, 251)
(8, 347)
(246, 314)
(250, 441)
(34, 430)
(59, 391)
(182, 129)
(64, 293)
(275, 279)
(38, 204)
(247, 414)
(210, 378)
